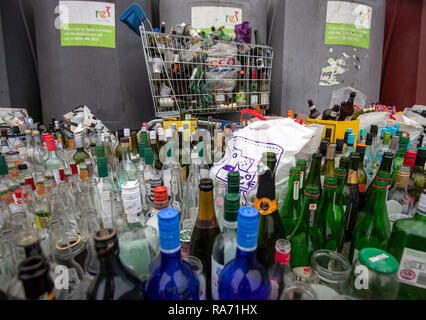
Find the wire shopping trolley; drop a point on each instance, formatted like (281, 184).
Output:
(198, 74)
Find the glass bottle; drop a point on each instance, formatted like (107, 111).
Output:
(349, 148)
(244, 278)
(149, 172)
(301, 164)
(225, 244)
(126, 171)
(173, 279)
(329, 165)
(418, 177)
(339, 149)
(104, 186)
(343, 193)
(270, 225)
(372, 228)
(400, 155)
(80, 155)
(37, 283)
(205, 230)
(160, 201)
(306, 238)
(53, 163)
(29, 148)
(313, 112)
(5, 144)
(331, 218)
(40, 154)
(369, 159)
(219, 202)
(362, 175)
(114, 281)
(385, 166)
(314, 176)
(169, 164)
(407, 244)
(292, 207)
(280, 273)
(352, 210)
(383, 147)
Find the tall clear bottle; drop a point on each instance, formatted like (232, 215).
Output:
(53, 164)
(225, 244)
(126, 171)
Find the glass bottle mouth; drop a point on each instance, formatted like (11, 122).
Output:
(195, 263)
(283, 246)
(330, 266)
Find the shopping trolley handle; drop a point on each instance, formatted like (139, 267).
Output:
(134, 17)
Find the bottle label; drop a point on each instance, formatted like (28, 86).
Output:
(84, 174)
(312, 209)
(253, 99)
(132, 206)
(264, 98)
(362, 188)
(57, 176)
(106, 208)
(296, 190)
(216, 270)
(412, 268)
(265, 206)
(42, 218)
(302, 174)
(302, 273)
(70, 143)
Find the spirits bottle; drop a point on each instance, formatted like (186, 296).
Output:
(114, 281)
(270, 225)
(314, 176)
(29, 149)
(5, 144)
(149, 171)
(372, 229)
(105, 186)
(225, 244)
(126, 171)
(80, 155)
(407, 244)
(292, 207)
(205, 230)
(331, 217)
(280, 274)
(348, 108)
(53, 163)
(160, 201)
(243, 278)
(173, 279)
(306, 238)
(352, 210)
(40, 154)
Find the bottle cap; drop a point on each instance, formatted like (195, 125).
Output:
(18, 193)
(339, 145)
(360, 148)
(312, 190)
(233, 178)
(369, 139)
(126, 132)
(362, 132)
(323, 147)
(100, 151)
(351, 138)
(160, 194)
(232, 204)
(374, 130)
(382, 133)
(27, 131)
(344, 162)
(301, 163)
(102, 167)
(310, 103)
(404, 140)
(378, 260)
(349, 130)
(295, 171)
(22, 166)
(206, 185)
(397, 126)
(168, 225)
(247, 231)
(149, 157)
(124, 140)
(393, 131)
(410, 158)
(74, 168)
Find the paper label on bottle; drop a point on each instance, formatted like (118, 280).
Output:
(132, 205)
(302, 273)
(57, 176)
(302, 176)
(216, 270)
(412, 268)
(42, 218)
(106, 209)
(296, 190)
(167, 177)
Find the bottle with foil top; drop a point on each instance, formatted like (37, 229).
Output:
(329, 165)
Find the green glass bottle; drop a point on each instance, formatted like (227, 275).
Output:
(386, 166)
(407, 244)
(306, 237)
(372, 229)
(343, 194)
(400, 154)
(292, 207)
(331, 217)
(80, 155)
(301, 164)
(314, 176)
(270, 225)
(418, 178)
(362, 175)
(352, 209)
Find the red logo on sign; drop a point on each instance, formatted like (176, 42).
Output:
(407, 274)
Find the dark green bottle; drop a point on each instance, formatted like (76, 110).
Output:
(306, 237)
(331, 217)
(352, 209)
(301, 164)
(291, 209)
(343, 193)
(386, 166)
(372, 229)
(270, 225)
(314, 176)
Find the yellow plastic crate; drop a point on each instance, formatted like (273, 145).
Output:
(338, 128)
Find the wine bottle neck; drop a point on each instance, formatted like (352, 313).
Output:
(206, 206)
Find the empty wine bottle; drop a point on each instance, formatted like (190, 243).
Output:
(353, 208)
(292, 207)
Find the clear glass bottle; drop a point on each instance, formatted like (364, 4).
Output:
(127, 170)
(225, 244)
(40, 154)
(53, 163)
(105, 186)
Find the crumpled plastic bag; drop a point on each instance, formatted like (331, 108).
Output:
(243, 31)
(222, 66)
(342, 94)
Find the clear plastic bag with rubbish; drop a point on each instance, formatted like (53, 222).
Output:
(342, 94)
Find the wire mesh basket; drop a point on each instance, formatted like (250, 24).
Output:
(205, 76)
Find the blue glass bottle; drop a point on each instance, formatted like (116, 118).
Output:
(173, 279)
(243, 278)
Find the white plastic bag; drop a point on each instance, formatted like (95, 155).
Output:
(284, 137)
(221, 66)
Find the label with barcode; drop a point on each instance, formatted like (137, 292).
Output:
(412, 268)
